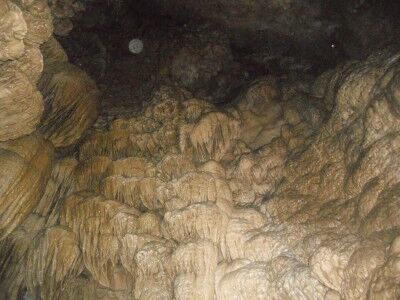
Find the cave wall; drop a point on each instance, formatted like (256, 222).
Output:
(45, 104)
(322, 30)
(289, 192)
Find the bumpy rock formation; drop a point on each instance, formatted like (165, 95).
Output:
(14, 30)
(25, 27)
(14, 249)
(30, 178)
(25, 168)
(71, 100)
(21, 104)
(38, 19)
(63, 12)
(173, 204)
(290, 192)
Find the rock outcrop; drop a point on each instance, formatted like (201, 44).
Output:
(32, 180)
(21, 104)
(290, 192)
(181, 203)
(71, 100)
(25, 169)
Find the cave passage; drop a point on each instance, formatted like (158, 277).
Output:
(190, 150)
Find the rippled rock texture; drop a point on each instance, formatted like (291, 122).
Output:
(30, 176)
(291, 191)
(181, 203)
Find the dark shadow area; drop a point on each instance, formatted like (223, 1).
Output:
(177, 35)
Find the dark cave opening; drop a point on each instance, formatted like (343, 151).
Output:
(99, 39)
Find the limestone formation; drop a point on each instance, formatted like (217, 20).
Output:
(61, 184)
(289, 192)
(25, 169)
(310, 250)
(13, 253)
(261, 112)
(14, 29)
(71, 100)
(38, 19)
(25, 25)
(53, 54)
(31, 64)
(53, 259)
(21, 105)
(62, 12)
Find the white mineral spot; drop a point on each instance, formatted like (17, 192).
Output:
(136, 46)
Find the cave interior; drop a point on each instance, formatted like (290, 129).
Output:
(186, 149)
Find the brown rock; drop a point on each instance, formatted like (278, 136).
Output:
(13, 25)
(25, 167)
(21, 105)
(52, 261)
(71, 100)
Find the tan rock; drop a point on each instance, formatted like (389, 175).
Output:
(174, 166)
(71, 100)
(261, 112)
(21, 105)
(197, 221)
(330, 261)
(13, 253)
(38, 19)
(152, 278)
(62, 183)
(31, 64)
(131, 167)
(210, 138)
(25, 169)
(187, 210)
(385, 281)
(14, 29)
(100, 226)
(90, 173)
(53, 259)
(283, 278)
